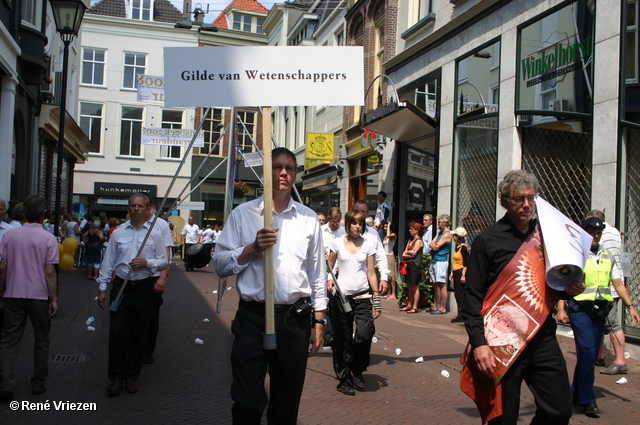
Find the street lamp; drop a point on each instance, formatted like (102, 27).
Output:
(67, 15)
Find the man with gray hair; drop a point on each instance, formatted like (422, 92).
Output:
(506, 271)
(439, 268)
(28, 288)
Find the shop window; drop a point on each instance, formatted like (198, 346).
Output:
(555, 67)
(363, 181)
(631, 48)
(131, 131)
(171, 119)
(426, 98)
(478, 80)
(420, 180)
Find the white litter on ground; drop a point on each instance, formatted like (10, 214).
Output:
(419, 359)
(90, 320)
(215, 292)
(199, 341)
(91, 329)
(206, 320)
(627, 355)
(229, 288)
(444, 373)
(374, 339)
(622, 380)
(398, 351)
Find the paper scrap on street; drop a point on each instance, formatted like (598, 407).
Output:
(419, 359)
(566, 246)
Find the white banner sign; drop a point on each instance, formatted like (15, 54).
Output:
(171, 137)
(150, 89)
(264, 76)
(253, 159)
(191, 205)
(566, 246)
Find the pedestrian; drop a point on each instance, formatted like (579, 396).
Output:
(383, 214)
(438, 270)
(190, 236)
(28, 288)
(206, 238)
(357, 279)
(299, 288)
(413, 254)
(94, 239)
(459, 269)
(388, 243)
(587, 313)
(322, 219)
(427, 223)
(129, 324)
(506, 284)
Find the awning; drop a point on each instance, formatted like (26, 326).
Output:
(76, 143)
(320, 181)
(403, 122)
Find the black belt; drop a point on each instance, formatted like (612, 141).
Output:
(258, 307)
(351, 297)
(137, 282)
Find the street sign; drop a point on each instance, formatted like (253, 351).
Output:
(193, 206)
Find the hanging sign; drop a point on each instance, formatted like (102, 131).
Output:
(319, 146)
(150, 89)
(264, 76)
(171, 137)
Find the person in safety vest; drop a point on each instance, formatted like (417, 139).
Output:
(588, 311)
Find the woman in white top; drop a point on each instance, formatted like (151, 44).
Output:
(388, 243)
(357, 279)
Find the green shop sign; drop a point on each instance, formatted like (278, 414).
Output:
(563, 59)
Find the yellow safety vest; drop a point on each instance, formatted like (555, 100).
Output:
(597, 279)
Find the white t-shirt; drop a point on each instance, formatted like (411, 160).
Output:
(207, 235)
(353, 267)
(216, 234)
(191, 232)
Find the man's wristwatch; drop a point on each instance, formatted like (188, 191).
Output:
(322, 322)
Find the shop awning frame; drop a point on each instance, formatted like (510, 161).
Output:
(403, 122)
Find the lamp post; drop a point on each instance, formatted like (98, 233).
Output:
(67, 15)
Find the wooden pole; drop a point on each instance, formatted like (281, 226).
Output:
(269, 337)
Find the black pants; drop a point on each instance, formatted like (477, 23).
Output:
(186, 255)
(129, 327)
(154, 323)
(351, 352)
(543, 368)
(286, 364)
(458, 290)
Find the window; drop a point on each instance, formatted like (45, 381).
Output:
(248, 23)
(32, 13)
(379, 60)
(141, 9)
(134, 64)
(131, 131)
(339, 37)
(246, 132)
(631, 57)
(93, 64)
(212, 132)
(426, 98)
(91, 122)
(171, 119)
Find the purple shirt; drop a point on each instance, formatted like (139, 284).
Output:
(27, 250)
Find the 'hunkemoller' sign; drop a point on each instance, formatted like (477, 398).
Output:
(263, 76)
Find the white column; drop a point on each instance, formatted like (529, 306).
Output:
(7, 114)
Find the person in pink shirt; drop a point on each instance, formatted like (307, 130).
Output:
(28, 285)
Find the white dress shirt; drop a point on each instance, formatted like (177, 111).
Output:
(123, 246)
(382, 210)
(381, 257)
(299, 263)
(207, 236)
(426, 240)
(191, 232)
(328, 235)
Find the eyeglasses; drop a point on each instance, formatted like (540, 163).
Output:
(334, 221)
(519, 200)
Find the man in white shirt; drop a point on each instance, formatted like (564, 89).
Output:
(129, 325)
(299, 286)
(190, 235)
(206, 237)
(427, 222)
(330, 229)
(383, 214)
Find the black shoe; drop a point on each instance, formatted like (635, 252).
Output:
(148, 357)
(115, 388)
(591, 409)
(457, 319)
(600, 362)
(328, 341)
(358, 382)
(346, 388)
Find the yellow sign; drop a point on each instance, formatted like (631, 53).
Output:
(319, 146)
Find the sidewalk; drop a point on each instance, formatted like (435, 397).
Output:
(189, 383)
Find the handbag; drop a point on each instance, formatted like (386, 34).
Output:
(403, 268)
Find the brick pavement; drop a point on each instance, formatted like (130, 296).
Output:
(189, 383)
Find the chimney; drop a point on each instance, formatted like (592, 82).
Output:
(198, 15)
(186, 12)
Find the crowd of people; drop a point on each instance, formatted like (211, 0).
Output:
(343, 268)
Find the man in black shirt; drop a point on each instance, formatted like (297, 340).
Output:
(541, 363)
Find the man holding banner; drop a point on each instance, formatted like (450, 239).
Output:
(508, 315)
(300, 292)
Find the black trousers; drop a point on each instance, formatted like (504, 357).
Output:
(186, 256)
(286, 364)
(351, 352)
(129, 327)
(543, 368)
(154, 323)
